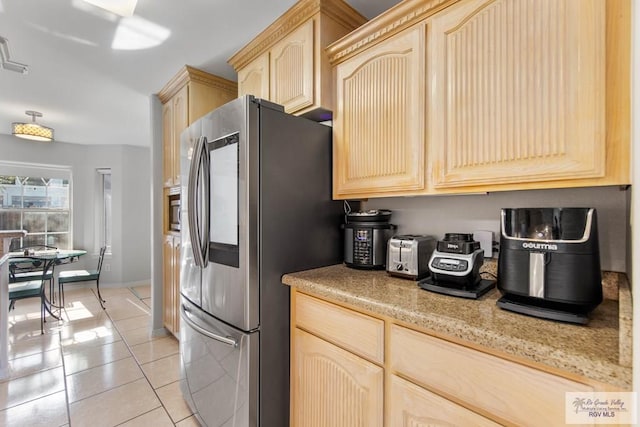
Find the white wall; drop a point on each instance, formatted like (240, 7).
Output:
(130, 260)
(437, 215)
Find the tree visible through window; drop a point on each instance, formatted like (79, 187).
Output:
(39, 205)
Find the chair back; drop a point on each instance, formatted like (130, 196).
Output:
(101, 258)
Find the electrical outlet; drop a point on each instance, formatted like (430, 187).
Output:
(107, 267)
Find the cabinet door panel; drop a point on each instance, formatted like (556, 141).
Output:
(168, 284)
(254, 78)
(413, 406)
(175, 315)
(291, 69)
(379, 127)
(332, 387)
(180, 122)
(167, 144)
(518, 90)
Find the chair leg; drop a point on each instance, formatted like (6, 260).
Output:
(99, 296)
(51, 291)
(12, 304)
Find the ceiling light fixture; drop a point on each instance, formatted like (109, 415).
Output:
(32, 130)
(6, 63)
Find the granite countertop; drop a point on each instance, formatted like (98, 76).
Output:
(595, 351)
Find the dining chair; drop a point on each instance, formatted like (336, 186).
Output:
(72, 276)
(30, 289)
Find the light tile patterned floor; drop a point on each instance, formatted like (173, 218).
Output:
(96, 368)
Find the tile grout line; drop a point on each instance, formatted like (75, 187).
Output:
(113, 361)
(143, 372)
(64, 373)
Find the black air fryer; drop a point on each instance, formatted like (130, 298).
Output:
(549, 264)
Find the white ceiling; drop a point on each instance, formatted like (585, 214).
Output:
(91, 93)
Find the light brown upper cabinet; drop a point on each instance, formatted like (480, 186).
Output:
(518, 91)
(287, 63)
(379, 125)
(486, 95)
(190, 94)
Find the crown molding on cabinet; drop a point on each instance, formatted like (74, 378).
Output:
(190, 74)
(394, 20)
(299, 13)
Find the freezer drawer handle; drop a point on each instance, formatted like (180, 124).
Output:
(227, 340)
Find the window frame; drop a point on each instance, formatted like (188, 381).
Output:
(45, 173)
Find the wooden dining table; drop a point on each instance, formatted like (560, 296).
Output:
(46, 259)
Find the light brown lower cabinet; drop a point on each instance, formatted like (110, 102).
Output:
(352, 369)
(410, 405)
(333, 387)
(171, 283)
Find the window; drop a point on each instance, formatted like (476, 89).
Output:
(36, 200)
(105, 211)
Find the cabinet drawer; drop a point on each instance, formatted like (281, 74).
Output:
(511, 392)
(358, 333)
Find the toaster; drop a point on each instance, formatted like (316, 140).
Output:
(408, 255)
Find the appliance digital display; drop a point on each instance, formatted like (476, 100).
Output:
(223, 195)
(450, 261)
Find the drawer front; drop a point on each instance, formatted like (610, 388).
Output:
(509, 391)
(358, 333)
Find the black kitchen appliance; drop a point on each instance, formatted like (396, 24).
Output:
(174, 209)
(455, 268)
(549, 264)
(366, 234)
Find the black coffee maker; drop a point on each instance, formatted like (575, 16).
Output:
(549, 264)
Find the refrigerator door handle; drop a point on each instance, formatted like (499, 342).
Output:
(184, 312)
(204, 242)
(192, 199)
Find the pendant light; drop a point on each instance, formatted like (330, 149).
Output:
(32, 130)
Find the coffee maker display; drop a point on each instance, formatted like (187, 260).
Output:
(549, 263)
(366, 234)
(455, 268)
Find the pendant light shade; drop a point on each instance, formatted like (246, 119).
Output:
(32, 130)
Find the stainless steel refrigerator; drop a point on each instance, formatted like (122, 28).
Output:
(255, 204)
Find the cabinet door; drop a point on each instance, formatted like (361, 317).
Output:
(410, 405)
(518, 91)
(175, 314)
(168, 286)
(291, 69)
(254, 78)
(167, 144)
(332, 387)
(379, 125)
(180, 103)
